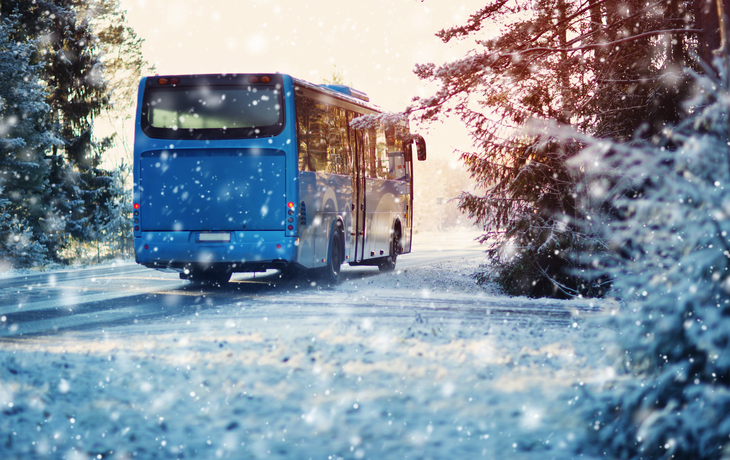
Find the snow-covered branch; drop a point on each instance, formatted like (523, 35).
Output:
(591, 46)
(386, 119)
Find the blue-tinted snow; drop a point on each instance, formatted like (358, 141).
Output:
(417, 382)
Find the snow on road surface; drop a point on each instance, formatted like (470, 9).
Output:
(417, 364)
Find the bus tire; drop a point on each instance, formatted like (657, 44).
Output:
(387, 264)
(335, 257)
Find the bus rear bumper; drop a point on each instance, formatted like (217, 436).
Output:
(244, 252)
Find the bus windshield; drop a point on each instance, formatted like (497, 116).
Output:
(212, 112)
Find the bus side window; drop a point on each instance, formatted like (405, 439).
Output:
(347, 151)
(351, 140)
(311, 135)
(374, 151)
(381, 154)
(338, 152)
(396, 154)
(371, 145)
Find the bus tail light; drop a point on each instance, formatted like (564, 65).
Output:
(168, 81)
(135, 220)
(261, 79)
(290, 216)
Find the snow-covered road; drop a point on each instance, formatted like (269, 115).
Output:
(122, 362)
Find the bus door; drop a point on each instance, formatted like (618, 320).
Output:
(408, 224)
(358, 192)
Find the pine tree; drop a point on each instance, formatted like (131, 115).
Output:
(601, 67)
(24, 137)
(90, 61)
(669, 238)
(68, 60)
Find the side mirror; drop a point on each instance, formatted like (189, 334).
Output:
(421, 148)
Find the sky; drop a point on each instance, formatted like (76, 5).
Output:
(373, 44)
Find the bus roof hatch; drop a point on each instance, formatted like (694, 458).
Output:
(349, 91)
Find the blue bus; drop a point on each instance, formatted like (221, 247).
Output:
(250, 172)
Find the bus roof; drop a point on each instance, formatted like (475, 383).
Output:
(342, 92)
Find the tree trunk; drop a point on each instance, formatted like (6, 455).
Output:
(564, 67)
(707, 20)
(722, 11)
(676, 42)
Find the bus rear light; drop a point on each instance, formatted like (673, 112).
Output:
(136, 228)
(146, 246)
(257, 79)
(136, 205)
(168, 81)
(278, 246)
(290, 211)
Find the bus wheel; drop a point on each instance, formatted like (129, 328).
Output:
(387, 264)
(335, 257)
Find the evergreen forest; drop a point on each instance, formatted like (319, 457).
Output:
(65, 67)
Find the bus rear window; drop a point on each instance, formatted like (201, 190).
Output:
(212, 112)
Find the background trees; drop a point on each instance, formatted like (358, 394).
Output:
(606, 68)
(64, 60)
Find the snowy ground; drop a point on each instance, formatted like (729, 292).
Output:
(420, 364)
